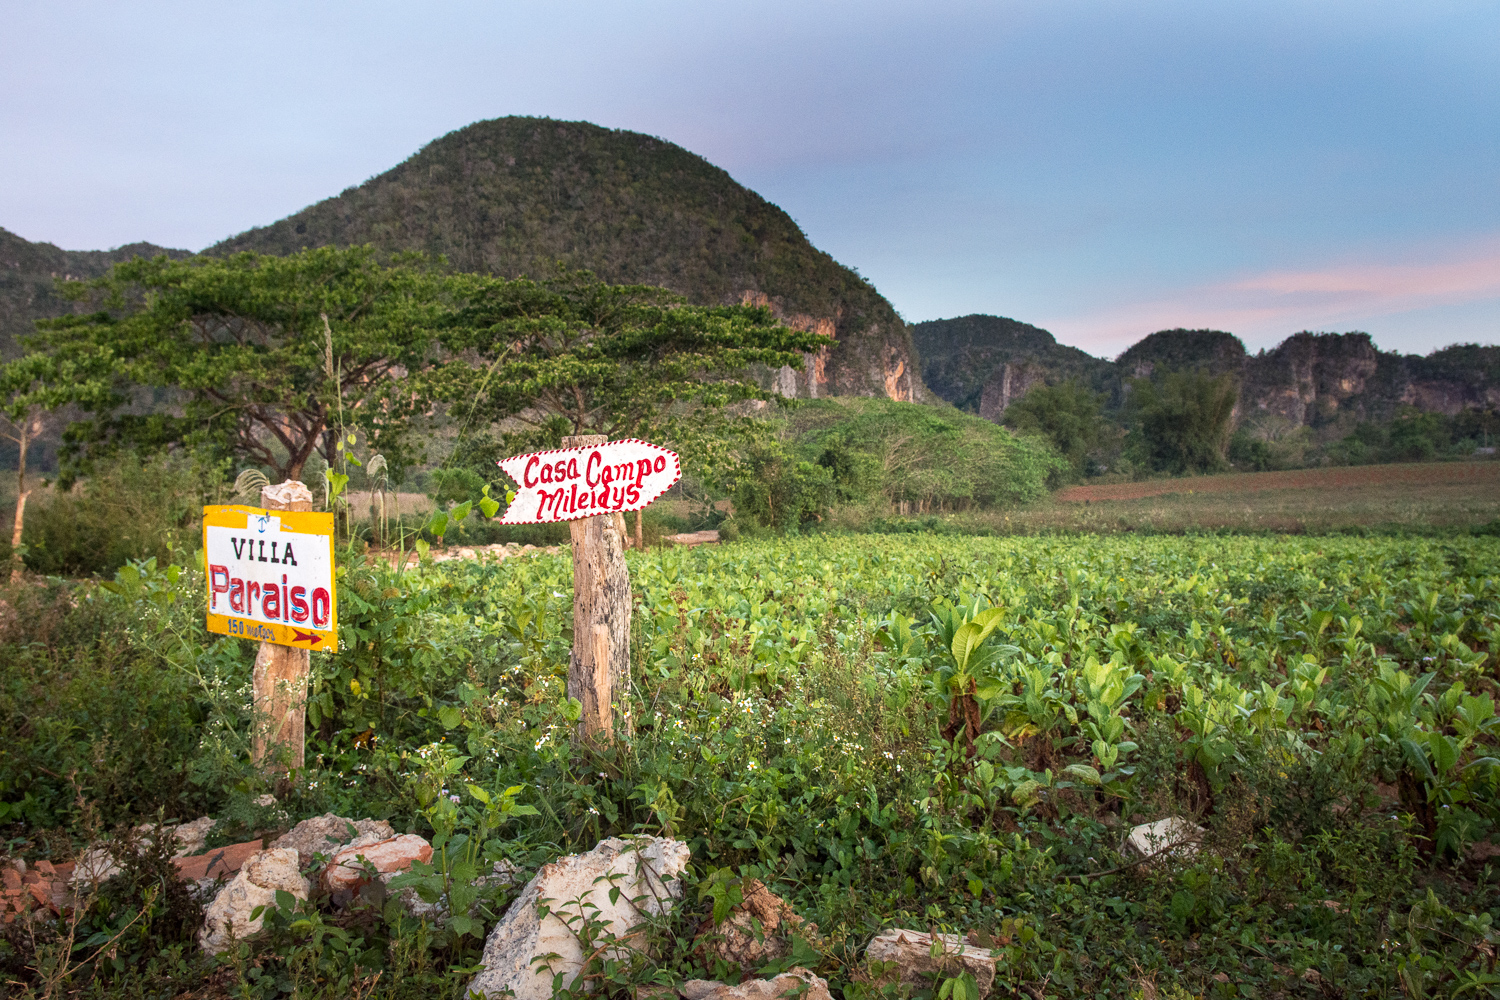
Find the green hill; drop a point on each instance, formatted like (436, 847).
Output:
(28, 280)
(513, 196)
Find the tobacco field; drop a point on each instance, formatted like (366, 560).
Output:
(918, 731)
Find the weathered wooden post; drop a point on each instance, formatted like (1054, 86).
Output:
(279, 681)
(591, 482)
(599, 671)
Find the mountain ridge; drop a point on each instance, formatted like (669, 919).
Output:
(1324, 381)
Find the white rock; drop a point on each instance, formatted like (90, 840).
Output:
(644, 869)
(912, 951)
(96, 865)
(1174, 836)
(328, 834)
(227, 918)
(787, 984)
(192, 837)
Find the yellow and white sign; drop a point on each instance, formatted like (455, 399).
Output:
(270, 575)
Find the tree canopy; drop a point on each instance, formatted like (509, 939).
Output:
(266, 359)
(1067, 413)
(1183, 424)
(539, 360)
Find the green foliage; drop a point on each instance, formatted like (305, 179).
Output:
(1183, 423)
(1067, 414)
(574, 356)
(780, 493)
(132, 508)
(921, 459)
(267, 358)
(1324, 707)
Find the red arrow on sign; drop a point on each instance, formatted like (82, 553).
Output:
(571, 483)
(308, 637)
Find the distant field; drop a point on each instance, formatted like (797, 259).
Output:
(1440, 495)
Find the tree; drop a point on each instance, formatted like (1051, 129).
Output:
(1183, 423)
(262, 358)
(31, 388)
(535, 361)
(1067, 413)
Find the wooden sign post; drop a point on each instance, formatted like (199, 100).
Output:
(591, 482)
(271, 578)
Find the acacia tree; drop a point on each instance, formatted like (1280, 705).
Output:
(535, 361)
(262, 358)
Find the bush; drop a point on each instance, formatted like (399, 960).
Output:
(1067, 414)
(138, 508)
(1183, 424)
(922, 459)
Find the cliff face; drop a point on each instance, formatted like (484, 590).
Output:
(516, 196)
(1318, 380)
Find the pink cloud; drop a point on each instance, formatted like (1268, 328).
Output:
(1273, 304)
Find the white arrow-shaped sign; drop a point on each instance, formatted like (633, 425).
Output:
(570, 483)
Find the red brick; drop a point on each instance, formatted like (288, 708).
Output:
(219, 861)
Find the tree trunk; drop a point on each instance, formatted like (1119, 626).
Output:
(279, 680)
(599, 672)
(17, 563)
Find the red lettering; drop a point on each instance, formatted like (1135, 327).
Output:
(572, 468)
(588, 469)
(618, 494)
(642, 470)
(250, 598)
(299, 604)
(526, 479)
(322, 607)
(546, 474)
(237, 595)
(215, 573)
(633, 494)
(541, 507)
(270, 601)
(660, 463)
(560, 471)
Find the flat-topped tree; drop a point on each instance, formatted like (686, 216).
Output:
(573, 355)
(257, 357)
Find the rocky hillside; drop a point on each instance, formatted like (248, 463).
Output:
(984, 363)
(28, 280)
(514, 196)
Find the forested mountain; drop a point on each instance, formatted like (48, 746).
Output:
(984, 363)
(28, 280)
(513, 196)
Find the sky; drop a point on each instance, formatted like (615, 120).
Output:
(1100, 169)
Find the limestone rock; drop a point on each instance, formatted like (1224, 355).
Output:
(1174, 836)
(96, 865)
(327, 834)
(644, 869)
(227, 918)
(734, 940)
(191, 837)
(787, 984)
(912, 952)
(346, 872)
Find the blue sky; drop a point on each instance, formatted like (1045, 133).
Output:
(1100, 169)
